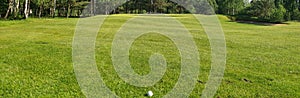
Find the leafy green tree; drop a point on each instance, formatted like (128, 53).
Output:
(278, 15)
(292, 7)
(262, 9)
(230, 7)
(10, 9)
(3, 7)
(278, 3)
(213, 4)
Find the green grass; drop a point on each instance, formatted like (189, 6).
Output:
(36, 59)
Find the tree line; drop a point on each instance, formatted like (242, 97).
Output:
(256, 10)
(18, 9)
(269, 11)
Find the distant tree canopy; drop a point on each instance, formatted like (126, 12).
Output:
(272, 10)
(16, 9)
(256, 10)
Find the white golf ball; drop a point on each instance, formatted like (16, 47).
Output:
(150, 93)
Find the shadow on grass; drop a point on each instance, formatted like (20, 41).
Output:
(261, 23)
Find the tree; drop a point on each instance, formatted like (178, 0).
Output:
(3, 7)
(10, 8)
(160, 5)
(40, 6)
(278, 3)
(278, 15)
(26, 9)
(292, 7)
(213, 4)
(262, 9)
(70, 4)
(53, 8)
(230, 7)
(16, 8)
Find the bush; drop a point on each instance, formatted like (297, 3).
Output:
(295, 15)
(287, 16)
(232, 18)
(245, 18)
(274, 15)
(278, 15)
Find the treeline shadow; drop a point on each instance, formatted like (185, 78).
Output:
(260, 23)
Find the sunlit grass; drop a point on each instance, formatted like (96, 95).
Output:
(36, 59)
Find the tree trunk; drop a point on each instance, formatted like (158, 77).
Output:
(161, 10)
(65, 12)
(92, 7)
(126, 7)
(53, 9)
(78, 13)
(140, 8)
(180, 10)
(114, 10)
(16, 8)
(58, 12)
(168, 12)
(152, 7)
(71, 12)
(135, 7)
(7, 12)
(40, 11)
(36, 10)
(26, 9)
(68, 13)
(228, 13)
(106, 10)
(10, 6)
